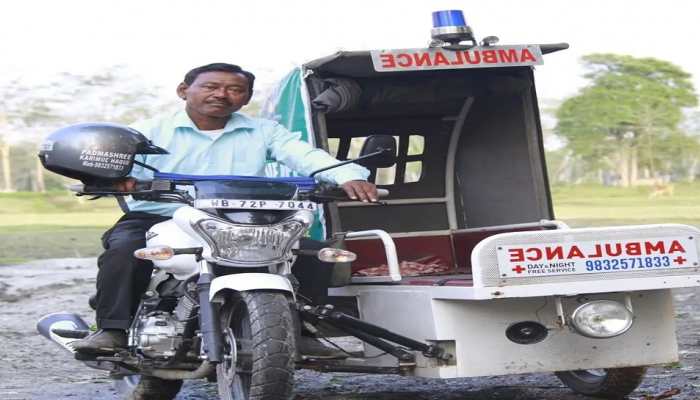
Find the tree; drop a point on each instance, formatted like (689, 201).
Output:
(628, 118)
(690, 165)
(21, 107)
(30, 112)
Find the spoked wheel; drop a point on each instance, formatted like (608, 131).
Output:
(259, 347)
(610, 383)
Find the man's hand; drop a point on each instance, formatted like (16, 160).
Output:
(361, 190)
(125, 185)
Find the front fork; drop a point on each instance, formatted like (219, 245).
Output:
(209, 322)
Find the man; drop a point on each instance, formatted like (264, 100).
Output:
(209, 138)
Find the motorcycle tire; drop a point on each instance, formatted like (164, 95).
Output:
(259, 347)
(138, 387)
(610, 383)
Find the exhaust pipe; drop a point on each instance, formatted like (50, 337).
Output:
(63, 328)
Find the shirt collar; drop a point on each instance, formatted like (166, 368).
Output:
(237, 121)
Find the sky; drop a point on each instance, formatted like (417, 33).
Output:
(160, 40)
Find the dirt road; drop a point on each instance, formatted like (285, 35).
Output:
(33, 368)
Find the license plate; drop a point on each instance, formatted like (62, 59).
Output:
(594, 257)
(255, 204)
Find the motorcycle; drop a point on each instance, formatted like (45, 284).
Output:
(463, 272)
(222, 302)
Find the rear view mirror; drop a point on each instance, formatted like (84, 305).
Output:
(384, 149)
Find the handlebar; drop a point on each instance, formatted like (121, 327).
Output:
(104, 190)
(165, 191)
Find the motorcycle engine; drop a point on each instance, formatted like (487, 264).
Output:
(159, 334)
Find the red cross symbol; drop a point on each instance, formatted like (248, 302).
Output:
(518, 269)
(679, 260)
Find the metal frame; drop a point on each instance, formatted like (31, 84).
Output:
(389, 250)
(449, 198)
(450, 164)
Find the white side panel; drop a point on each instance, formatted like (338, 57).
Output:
(250, 281)
(415, 319)
(483, 349)
(476, 329)
(487, 277)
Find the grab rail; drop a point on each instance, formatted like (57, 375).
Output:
(392, 259)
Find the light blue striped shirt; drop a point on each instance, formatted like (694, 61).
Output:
(242, 149)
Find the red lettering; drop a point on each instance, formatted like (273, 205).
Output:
(407, 60)
(508, 56)
(575, 252)
(616, 252)
(537, 254)
(554, 253)
(422, 59)
(440, 59)
(387, 60)
(525, 55)
(489, 56)
(475, 54)
(633, 249)
(516, 255)
(650, 248)
(676, 246)
(459, 60)
(598, 252)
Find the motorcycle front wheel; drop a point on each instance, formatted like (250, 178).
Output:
(259, 347)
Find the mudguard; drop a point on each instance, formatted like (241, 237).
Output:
(250, 281)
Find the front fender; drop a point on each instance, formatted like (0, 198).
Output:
(250, 281)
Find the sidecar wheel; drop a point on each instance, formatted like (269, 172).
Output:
(610, 383)
(138, 387)
(259, 347)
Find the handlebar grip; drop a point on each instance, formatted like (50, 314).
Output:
(144, 185)
(77, 187)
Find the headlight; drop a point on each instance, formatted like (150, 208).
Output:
(253, 244)
(602, 319)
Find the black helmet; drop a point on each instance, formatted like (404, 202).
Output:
(94, 151)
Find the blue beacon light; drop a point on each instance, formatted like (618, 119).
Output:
(450, 27)
(448, 18)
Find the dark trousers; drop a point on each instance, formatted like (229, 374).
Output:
(122, 278)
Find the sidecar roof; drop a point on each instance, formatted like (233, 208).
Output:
(470, 149)
(359, 63)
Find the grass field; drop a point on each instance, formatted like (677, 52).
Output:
(53, 225)
(601, 206)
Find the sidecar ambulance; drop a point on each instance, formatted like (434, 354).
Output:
(464, 270)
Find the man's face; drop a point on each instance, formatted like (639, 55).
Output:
(216, 94)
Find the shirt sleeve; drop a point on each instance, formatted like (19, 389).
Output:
(288, 148)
